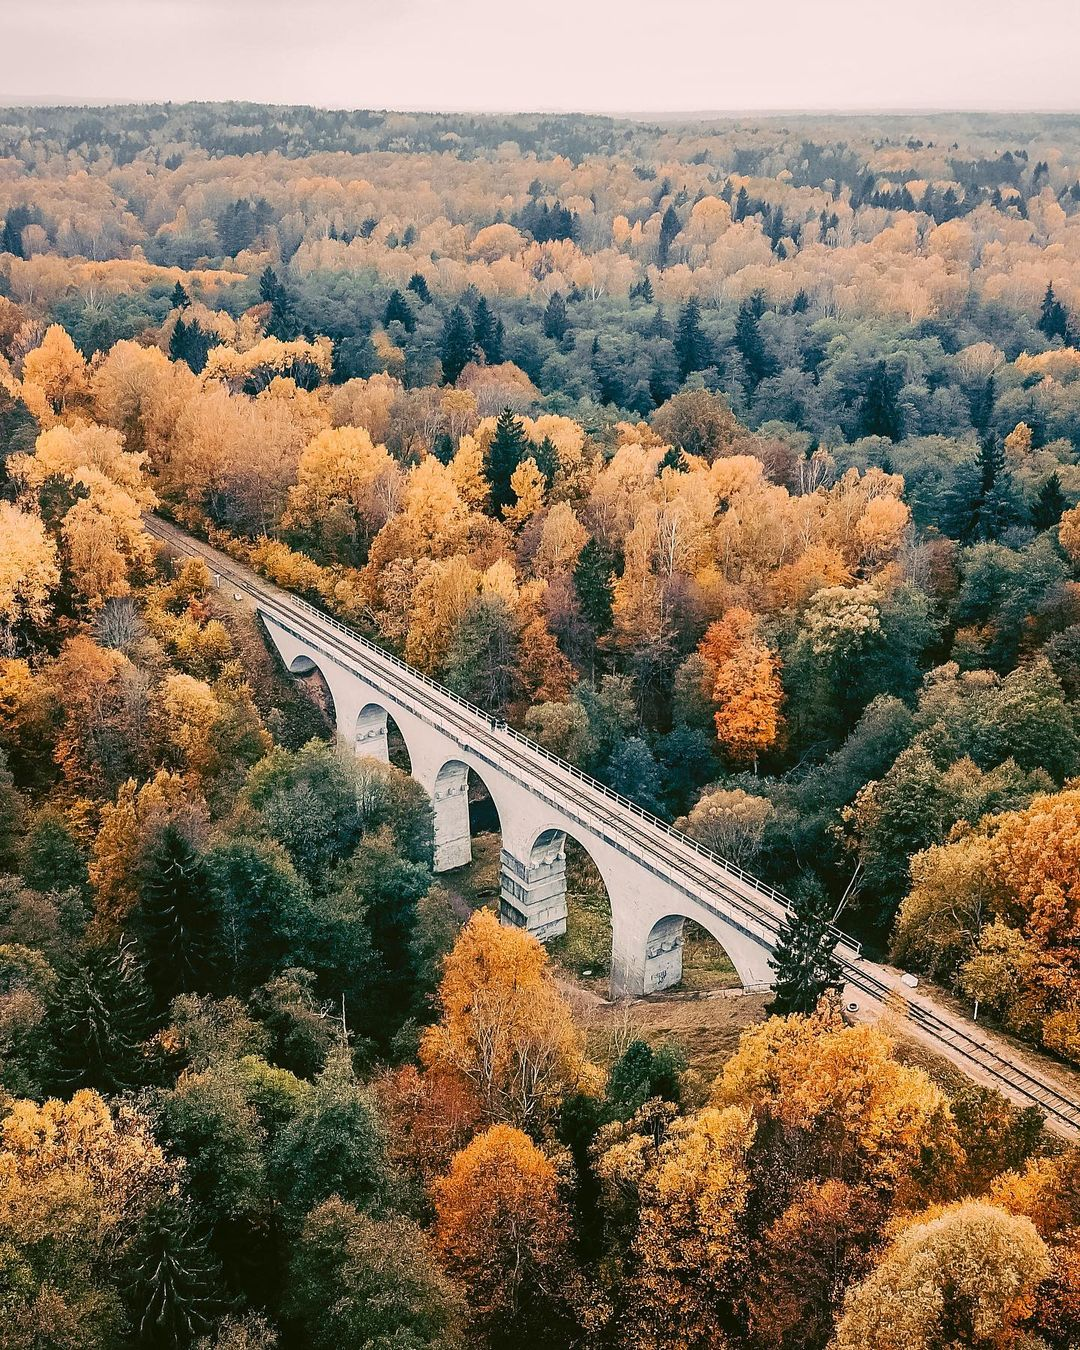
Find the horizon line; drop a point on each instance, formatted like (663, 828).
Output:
(44, 101)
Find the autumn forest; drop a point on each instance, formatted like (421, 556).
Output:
(736, 463)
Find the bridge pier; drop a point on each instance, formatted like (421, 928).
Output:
(533, 893)
(450, 808)
(371, 738)
(663, 954)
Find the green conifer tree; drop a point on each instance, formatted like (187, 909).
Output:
(99, 1015)
(1049, 504)
(509, 446)
(804, 959)
(175, 1288)
(691, 347)
(177, 918)
(556, 320)
(456, 344)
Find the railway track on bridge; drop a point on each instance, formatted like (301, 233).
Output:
(757, 909)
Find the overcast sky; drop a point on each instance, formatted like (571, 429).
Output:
(606, 55)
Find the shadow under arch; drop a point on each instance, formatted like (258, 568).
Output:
(378, 736)
(463, 805)
(569, 903)
(317, 686)
(682, 951)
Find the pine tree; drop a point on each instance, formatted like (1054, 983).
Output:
(180, 298)
(804, 959)
(981, 403)
(17, 219)
(456, 344)
(398, 310)
(556, 320)
(177, 918)
(509, 446)
(645, 290)
(178, 341)
(691, 348)
(993, 509)
(419, 288)
(190, 343)
(282, 323)
(742, 205)
(669, 229)
(1049, 504)
(547, 459)
(175, 1290)
(592, 581)
(1053, 317)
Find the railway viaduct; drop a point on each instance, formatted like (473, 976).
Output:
(656, 877)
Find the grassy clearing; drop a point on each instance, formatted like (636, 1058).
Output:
(705, 964)
(584, 950)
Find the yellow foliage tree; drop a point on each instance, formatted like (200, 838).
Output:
(528, 484)
(127, 825)
(688, 1253)
(964, 1277)
(439, 599)
(28, 567)
(54, 380)
(504, 1026)
(850, 1110)
(345, 486)
(747, 689)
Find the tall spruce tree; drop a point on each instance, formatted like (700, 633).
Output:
(180, 298)
(1053, 317)
(547, 459)
(804, 960)
(1049, 505)
(880, 413)
(398, 310)
(593, 583)
(175, 1289)
(556, 320)
(993, 509)
(419, 288)
(669, 229)
(757, 364)
(177, 918)
(98, 1016)
(488, 332)
(691, 347)
(456, 344)
(282, 323)
(509, 446)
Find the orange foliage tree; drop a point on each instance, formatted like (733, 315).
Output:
(747, 688)
(504, 1232)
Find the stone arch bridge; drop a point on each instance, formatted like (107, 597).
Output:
(656, 877)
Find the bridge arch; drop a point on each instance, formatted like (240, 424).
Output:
(378, 735)
(453, 817)
(666, 946)
(570, 899)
